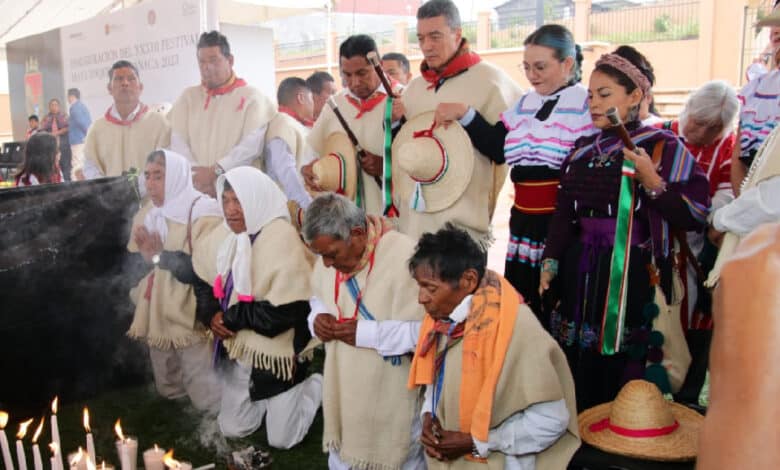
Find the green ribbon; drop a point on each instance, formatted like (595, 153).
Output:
(389, 208)
(615, 304)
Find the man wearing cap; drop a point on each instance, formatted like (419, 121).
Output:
(128, 132)
(286, 150)
(451, 72)
(365, 311)
(498, 389)
(221, 123)
(364, 107)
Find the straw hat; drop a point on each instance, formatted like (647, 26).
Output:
(431, 168)
(336, 170)
(640, 423)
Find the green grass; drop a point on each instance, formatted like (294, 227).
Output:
(168, 423)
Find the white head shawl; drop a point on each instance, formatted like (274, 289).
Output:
(179, 198)
(262, 201)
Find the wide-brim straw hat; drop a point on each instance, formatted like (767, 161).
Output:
(336, 169)
(640, 423)
(431, 167)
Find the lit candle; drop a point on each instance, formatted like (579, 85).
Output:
(90, 440)
(172, 464)
(103, 466)
(153, 458)
(78, 460)
(127, 448)
(20, 456)
(55, 433)
(7, 460)
(37, 462)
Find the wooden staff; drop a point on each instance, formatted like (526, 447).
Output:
(373, 58)
(617, 124)
(352, 138)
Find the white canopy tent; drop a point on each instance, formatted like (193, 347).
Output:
(22, 18)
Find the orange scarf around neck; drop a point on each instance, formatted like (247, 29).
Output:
(487, 335)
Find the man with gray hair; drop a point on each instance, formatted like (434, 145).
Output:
(364, 308)
(452, 73)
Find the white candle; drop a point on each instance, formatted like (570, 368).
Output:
(128, 453)
(78, 460)
(91, 447)
(20, 457)
(55, 434)
(153, 458)
(185, 466)
(37, 462)
(9, 463)
(55, 456)
(90, 441)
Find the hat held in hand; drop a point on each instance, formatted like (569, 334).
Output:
(640, 423)
(336, 170)
(432, 167)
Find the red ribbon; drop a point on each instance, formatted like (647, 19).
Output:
(291, 112)
(232, 85)
(625, 432)
(429, 134)
(120, 122)
(463, 60)
(365, 106)
(441, 327)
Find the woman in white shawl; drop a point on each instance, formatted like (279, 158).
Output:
(261, 283)
(164, 232)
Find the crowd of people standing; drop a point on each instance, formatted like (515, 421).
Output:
(359, 220)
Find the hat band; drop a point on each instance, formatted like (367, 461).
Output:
(342, 172)
(625, 432)
(445, 160)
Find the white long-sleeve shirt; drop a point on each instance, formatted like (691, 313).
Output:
(524, 434)
(280, 165)
(755, 206)
(387, 338)
(241, 154)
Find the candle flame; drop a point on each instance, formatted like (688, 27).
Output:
(118, 431)
(23, 428)
(103, 465)
(169, 461)
(156, 449)
(38, 431)
(77, 458)
(3, 419)
(86, 420)
(54, 405)
(90, 465)
(55, 449)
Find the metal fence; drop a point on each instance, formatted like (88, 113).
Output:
(511, 32)
(301, 50)
(666, 21)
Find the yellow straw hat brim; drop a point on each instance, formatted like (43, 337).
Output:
(326, 168)
(678, 446)
(453, 183)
